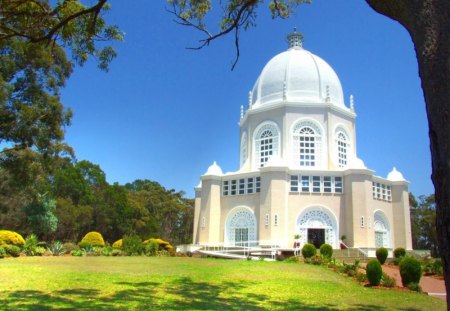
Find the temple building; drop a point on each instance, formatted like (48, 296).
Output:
(299, 176)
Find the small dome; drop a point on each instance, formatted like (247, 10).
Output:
(395, 175)
(357, 163)
(214, 169)
(297, 75)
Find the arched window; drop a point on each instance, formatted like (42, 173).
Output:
(382, 231)
(307, 143)
(244, 150)
(342, 148)
(240, 227)
(266, 143)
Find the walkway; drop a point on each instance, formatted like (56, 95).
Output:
(432, 286)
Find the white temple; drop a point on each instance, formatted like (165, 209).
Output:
(299, 171)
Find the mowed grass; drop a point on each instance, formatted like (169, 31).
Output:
(146, 283)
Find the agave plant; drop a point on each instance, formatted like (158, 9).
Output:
(31, 243)
(56, 248)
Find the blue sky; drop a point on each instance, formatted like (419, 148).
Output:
(165, 113)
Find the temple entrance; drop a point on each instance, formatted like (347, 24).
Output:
(241, 236)
(316, 237)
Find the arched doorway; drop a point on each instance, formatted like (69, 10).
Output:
(240, 227)
(382, 231)
(317, 225)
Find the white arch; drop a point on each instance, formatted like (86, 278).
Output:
(319, 142)
(240, 220)
(318, 217)
(270, 144)
(382, 229)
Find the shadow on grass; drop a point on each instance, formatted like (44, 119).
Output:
(180, 294)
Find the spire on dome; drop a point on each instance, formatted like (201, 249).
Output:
(295, 40)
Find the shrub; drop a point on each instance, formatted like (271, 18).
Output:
(387, 281)
(415, 287)
(12, 250)
(382, 254)
(162, 245)
(326, 250)
(56, 248)
(31, 243)
(151, 248)
(361, 277)
(77, 252)
(374, 272)
(117, 252)
(308, 250)
(11, 238)
(410, 271)
(39, 251)
(399, 252)
(437, 267)
(69, 247)
(107, 251)
(118, 244)
(292, 259)
(93, 239)
(2, 252)
(132, 245)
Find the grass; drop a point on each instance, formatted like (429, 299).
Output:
(146, 283)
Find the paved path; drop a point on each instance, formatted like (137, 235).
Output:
(432, 286)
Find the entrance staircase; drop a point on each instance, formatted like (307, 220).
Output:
(350, 255)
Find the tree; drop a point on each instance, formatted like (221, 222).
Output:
(40, 215)
(428, 23)
(423, 220)
(34, 37)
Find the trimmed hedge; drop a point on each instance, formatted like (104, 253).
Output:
(11, 238)
(162, 245)
(382, 254)
(326, 250)
(92, 238)
(309, 250)
(399, 252)
(118, 244)
(410, 271)
(374, 272)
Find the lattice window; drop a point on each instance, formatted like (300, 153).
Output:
(258, 184)
(266, 141)
(250, 185)
(381, 191)
(225, 187)
(307, 144)
(243, 220)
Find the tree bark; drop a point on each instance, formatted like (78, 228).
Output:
(428, 23)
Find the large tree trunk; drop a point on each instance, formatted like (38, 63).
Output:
(428, 23)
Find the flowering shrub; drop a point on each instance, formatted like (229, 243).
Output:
(92, 239)
(11, 238)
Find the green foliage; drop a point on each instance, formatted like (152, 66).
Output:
(57, 248)
(374, 272)
(12, 250)
(388, 281)
(69, 247)
(92, 238)
(132, 245)
(151, 248)
(326, 250)
(399, 252)
(292, 259)
(78, 252)
(423, 223)
(361, 277)
(309, 250)
(2, 252)
(31, 243)
(117, 252)
(107, 251)
(382, 254)
(414, 286)
(11, 238)
(40, 214)
(39, 251)
(410, 271)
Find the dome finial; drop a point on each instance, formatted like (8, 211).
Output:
(295, 39)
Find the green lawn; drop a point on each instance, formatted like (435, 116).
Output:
(145, 283)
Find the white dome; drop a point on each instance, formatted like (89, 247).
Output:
(395, 175)
(297, 75)
(214, 169)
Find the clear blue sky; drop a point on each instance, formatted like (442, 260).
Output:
(165, 113)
